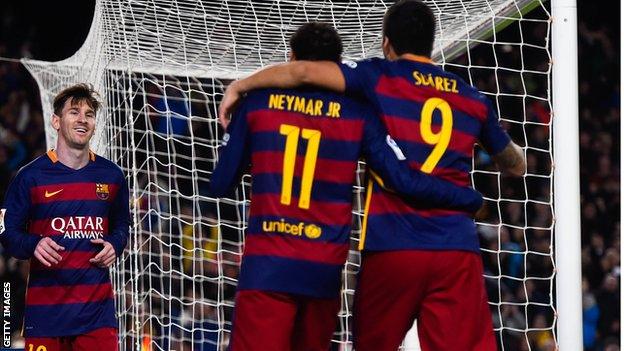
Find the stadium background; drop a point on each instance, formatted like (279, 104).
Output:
(48, 31)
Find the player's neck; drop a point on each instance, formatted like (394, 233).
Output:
(72, 157)
(417, 58)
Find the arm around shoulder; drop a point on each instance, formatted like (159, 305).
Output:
(322, 74)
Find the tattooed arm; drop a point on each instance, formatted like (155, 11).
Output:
(511, 160)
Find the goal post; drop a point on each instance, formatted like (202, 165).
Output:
(567, 176)
(162, 66)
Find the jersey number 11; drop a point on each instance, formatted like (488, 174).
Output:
(290, 157)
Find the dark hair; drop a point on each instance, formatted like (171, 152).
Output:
(77, 93)
(316, 41)
(410, 27)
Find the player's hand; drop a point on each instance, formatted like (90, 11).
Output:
(47, 252)
(106, 256)
(231, 97)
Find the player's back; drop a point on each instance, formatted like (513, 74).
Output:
(436, 118)
(304, 147)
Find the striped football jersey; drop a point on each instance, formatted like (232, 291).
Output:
(303, 146)
(436, 118)
(49, 199)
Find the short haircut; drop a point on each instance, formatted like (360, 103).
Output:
(77, 93)
(316, 41)
(410, 27)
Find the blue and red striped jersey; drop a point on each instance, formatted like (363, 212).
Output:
(47, 198)
(303, 147)
(436, 118)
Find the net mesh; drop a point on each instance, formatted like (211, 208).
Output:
(162, 66)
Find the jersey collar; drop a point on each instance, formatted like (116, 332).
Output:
(417, 58)
(54, 158)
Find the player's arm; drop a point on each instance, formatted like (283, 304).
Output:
(323, 74)
(234, 157)
(17, 242)
(115, 242)
(511, 160)
(387, 160)
(507, 155)
(119, 218)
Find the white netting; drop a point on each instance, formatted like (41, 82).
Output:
(161, 67)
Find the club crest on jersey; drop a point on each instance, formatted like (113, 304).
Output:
(2, 212)
(101, 190)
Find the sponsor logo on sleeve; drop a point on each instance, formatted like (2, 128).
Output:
(350, 64)
(395, 148)
(226, 138)
(2, 212)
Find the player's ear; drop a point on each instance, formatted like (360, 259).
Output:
(388, 49)
(385, 46)
(56, 121)
(291, 56)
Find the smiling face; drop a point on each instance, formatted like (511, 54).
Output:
(75, 125)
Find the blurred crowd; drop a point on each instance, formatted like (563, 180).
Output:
(599, 115)
(526, 253)
(22, 138)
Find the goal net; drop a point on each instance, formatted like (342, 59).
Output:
(161, 67)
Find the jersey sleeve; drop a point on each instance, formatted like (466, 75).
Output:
(119, 218)
(359, 77)
(234, 157)
(15, 239)
(387, 160)
(493, 137)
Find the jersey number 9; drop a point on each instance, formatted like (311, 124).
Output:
(439, 140)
